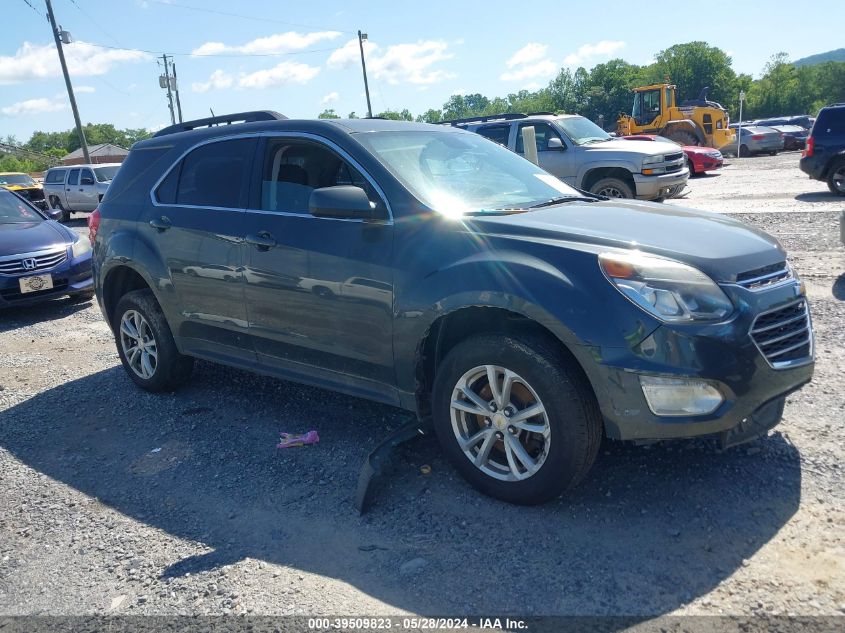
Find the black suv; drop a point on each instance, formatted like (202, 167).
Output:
(824, 156)
(432, 269)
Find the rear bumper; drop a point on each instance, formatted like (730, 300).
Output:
(651, 187)
(812, 166)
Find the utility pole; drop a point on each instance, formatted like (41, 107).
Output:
(176, 90)
(59, 36)
(164, 82)
(739, 127)
(361, 38)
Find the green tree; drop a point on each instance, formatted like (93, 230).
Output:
(328, 113)
(692, 67)
(394, 115)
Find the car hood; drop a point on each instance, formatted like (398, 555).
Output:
(28, 237)
(641, 148)
(21, 187)
(716, 244)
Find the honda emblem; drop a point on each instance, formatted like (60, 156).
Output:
(29, 264)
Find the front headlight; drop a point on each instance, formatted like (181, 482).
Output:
(653, 160)
(669, 290)
(80, 247)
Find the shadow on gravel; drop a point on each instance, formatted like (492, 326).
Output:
(651, 529)
(817, 196)
(17, 317)
(839, 287)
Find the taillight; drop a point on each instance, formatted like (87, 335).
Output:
(811, 145)
(93, 225)
(757, 137)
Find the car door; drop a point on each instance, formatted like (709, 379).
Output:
(319, 291)
(71, 189)
(197, 227)
(88, 196)
(557, 160)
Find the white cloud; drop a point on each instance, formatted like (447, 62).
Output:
(270, 45)
(529, 62)
(283, 73)
(219, 80)
(400, 63)
(84, 89)
(34, 61)
(605, 49)
(532, 86)
(531, 52)
(33, 106)
(329, 98)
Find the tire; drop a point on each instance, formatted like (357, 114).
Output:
(692, 172)
(612, 188)
(773, 153)
(684, 137)
(743, 151)
(544, 375)
(836, 178)
(170, 368)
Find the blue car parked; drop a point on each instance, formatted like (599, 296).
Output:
(39, 258)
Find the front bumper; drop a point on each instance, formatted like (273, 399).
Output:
(72, 277)
(723, 354)
(652, 187)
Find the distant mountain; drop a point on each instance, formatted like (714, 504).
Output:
(830, 56)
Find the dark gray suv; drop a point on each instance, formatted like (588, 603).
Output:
(434, 270)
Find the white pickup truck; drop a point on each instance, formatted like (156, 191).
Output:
(77, 188)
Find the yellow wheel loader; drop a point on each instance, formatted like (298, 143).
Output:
(697, 122)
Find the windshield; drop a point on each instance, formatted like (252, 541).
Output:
(582, 131)
(456, 173)
(13, 210)
(16, 179)
(104, 174)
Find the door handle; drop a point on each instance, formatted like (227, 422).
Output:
(262, 240)
(161, 224)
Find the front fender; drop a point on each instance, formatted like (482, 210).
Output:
(587, 167)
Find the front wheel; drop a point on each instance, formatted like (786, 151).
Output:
(516, 417)
(145, 344)
(743, 151)
(612, 188)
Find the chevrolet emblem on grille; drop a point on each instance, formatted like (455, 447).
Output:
(29, 264)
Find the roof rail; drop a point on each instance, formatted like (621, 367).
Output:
(227, 119)
(505, 116)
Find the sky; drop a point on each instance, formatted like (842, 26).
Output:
(300, 58)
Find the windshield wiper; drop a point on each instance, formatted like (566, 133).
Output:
(562, 199)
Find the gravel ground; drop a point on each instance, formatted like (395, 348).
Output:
(113, 500)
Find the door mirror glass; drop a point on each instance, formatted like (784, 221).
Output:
(341, 201)
(54, 214)
(555, 144)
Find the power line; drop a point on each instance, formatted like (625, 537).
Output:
(144, 50)
(95, 23)
(32, 7)
(167, 3)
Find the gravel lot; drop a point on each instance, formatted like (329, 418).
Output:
(113, 500)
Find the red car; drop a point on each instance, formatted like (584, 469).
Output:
(700, 159)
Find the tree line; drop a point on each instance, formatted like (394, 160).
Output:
(604, 92)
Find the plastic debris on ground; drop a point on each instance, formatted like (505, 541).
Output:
(290, 440)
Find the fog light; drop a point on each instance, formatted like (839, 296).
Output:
(680, 396)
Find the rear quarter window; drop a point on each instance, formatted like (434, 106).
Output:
(55, 176)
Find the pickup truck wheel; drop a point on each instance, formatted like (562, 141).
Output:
(515, 417)
(836, 178)
(612, 188)
(145, 344)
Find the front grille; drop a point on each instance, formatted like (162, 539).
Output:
(43, 261)
(784, 335)
(15, 294)
(673, 168)
(670, 157)
(765, 276)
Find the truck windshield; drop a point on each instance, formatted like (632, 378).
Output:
(582, 131)
(105, 174)
(462, 173)
(16, 179)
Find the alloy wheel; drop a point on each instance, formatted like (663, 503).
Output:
(838, 179)
(500, 423)
(138, 344)
(610, 192)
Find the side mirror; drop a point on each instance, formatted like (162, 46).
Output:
(86, 180)
(341, 201)
(555, 144)
(54, 214)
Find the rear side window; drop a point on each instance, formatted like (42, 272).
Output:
(830, 122)
(55, 176)
(212, 175)
(73, 177)
(496, 133)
